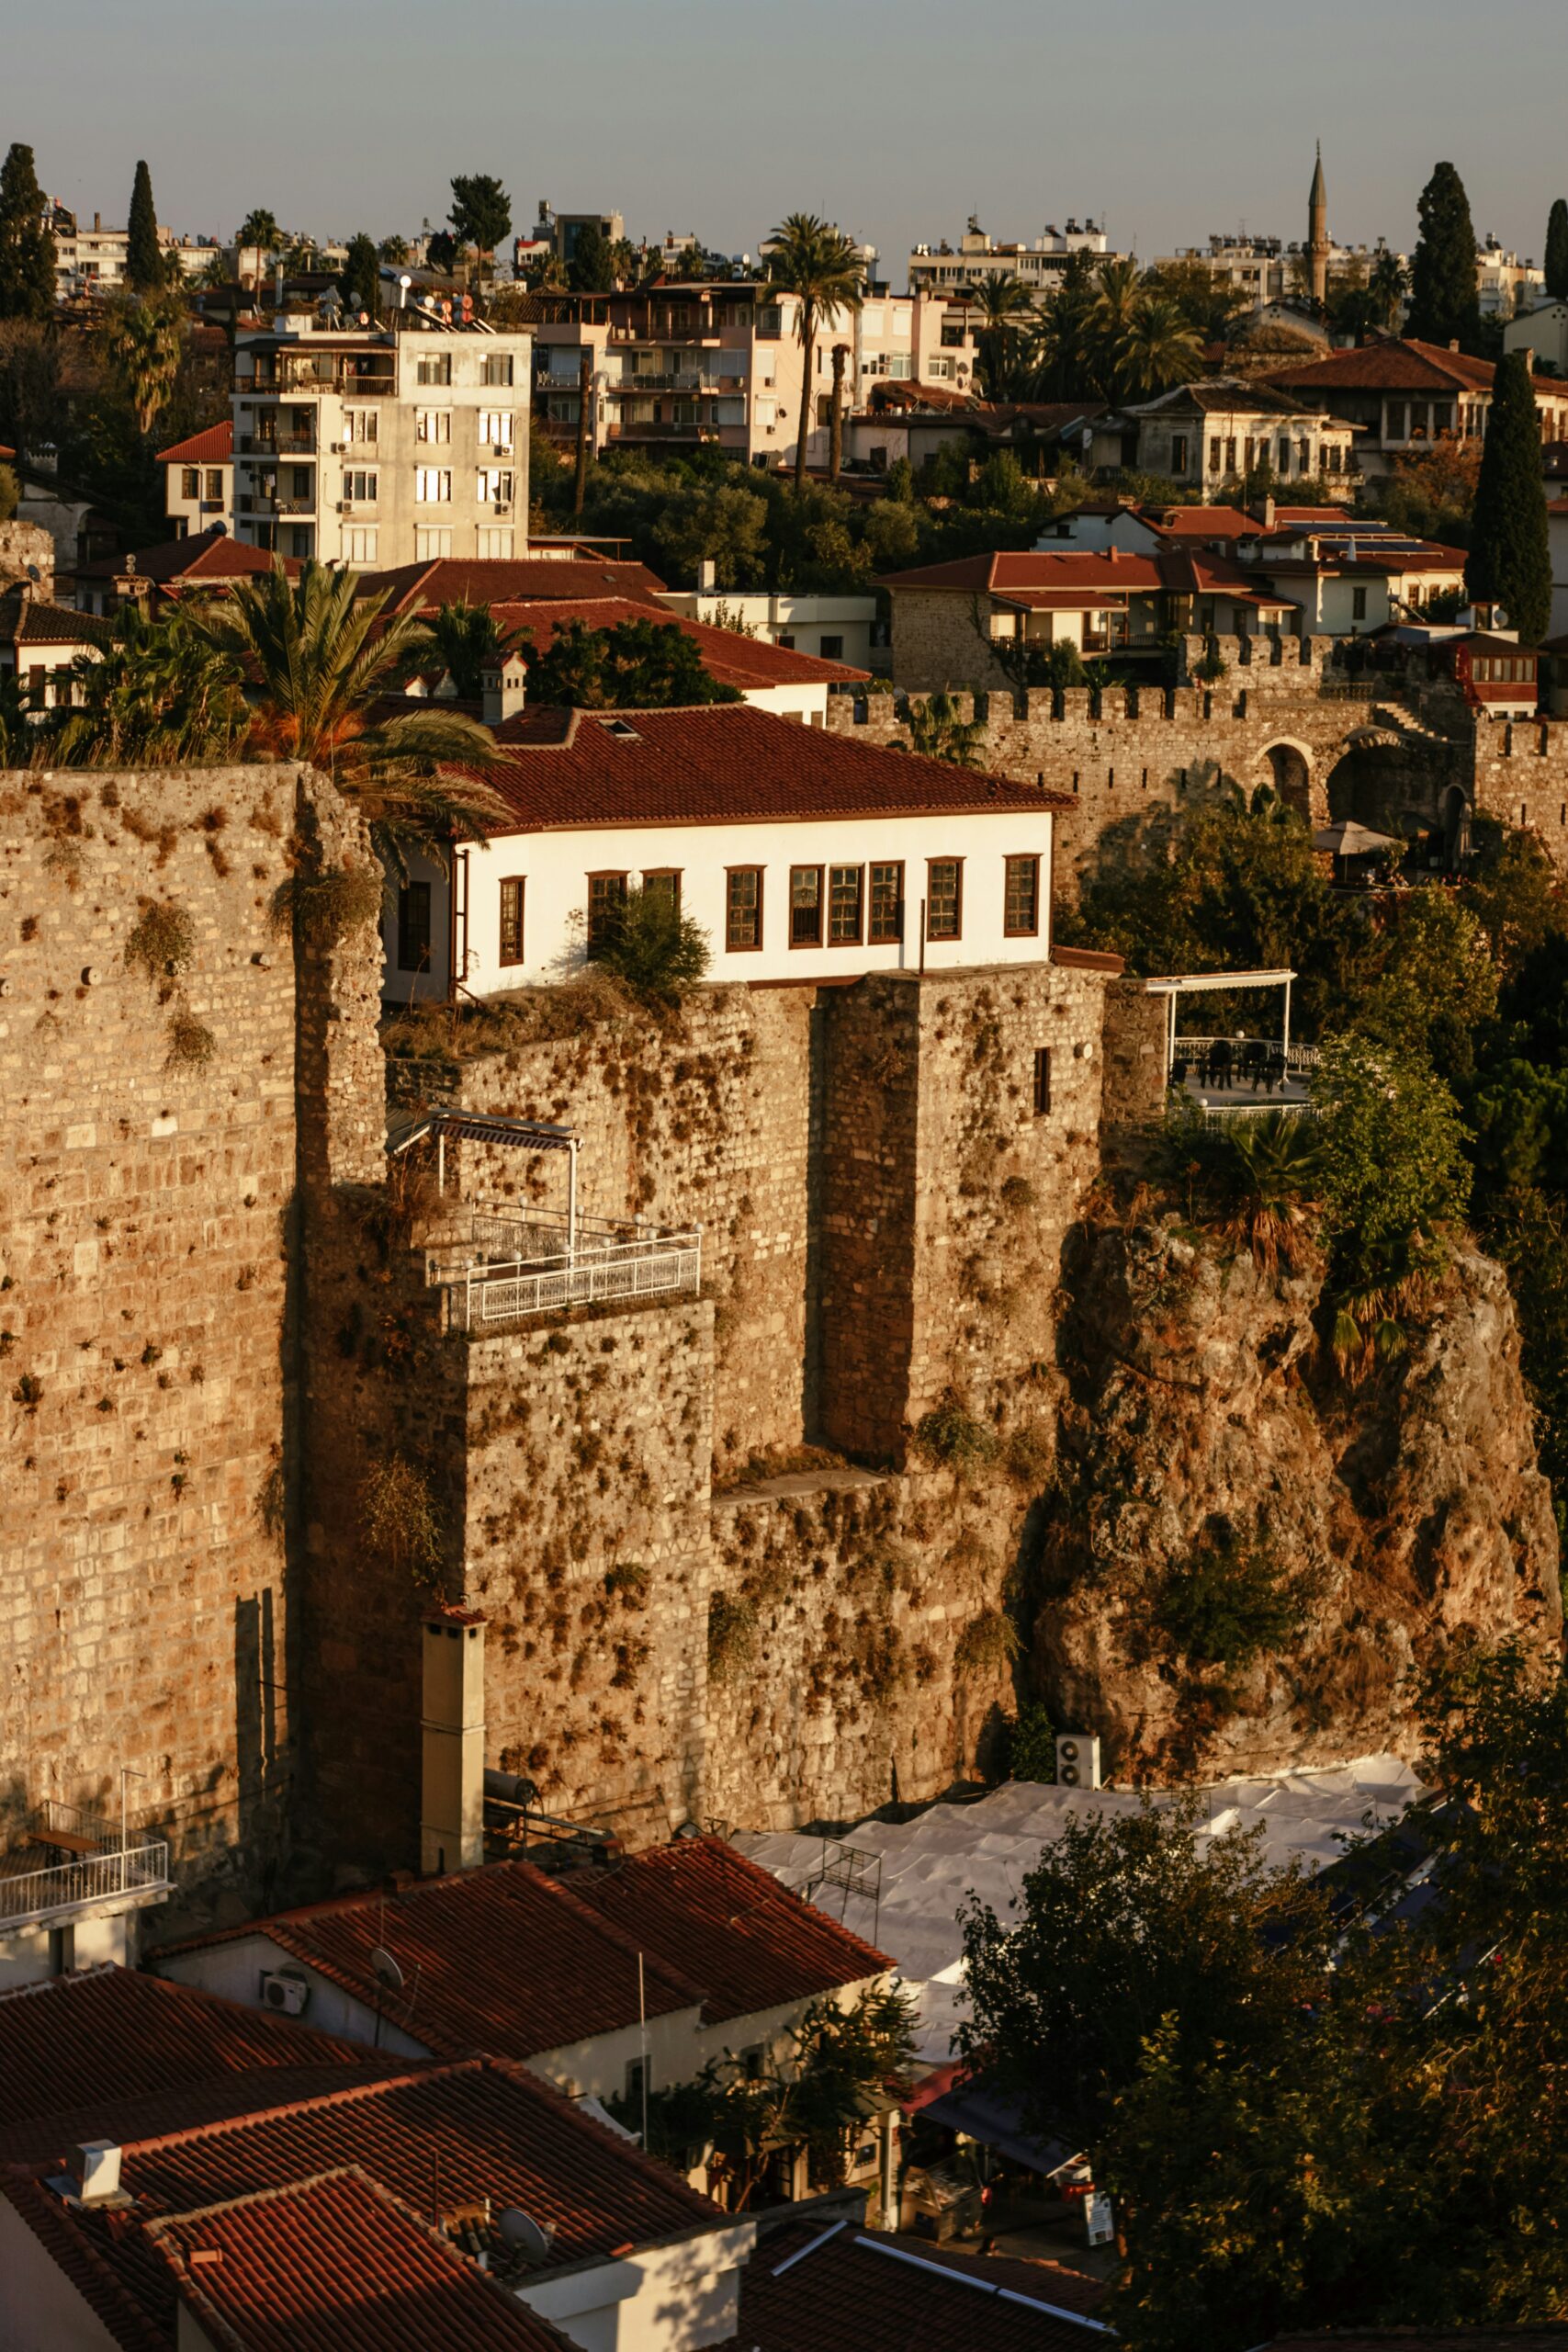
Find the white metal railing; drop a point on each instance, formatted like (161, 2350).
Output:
(518, 1262)
(113, 1871)
(1224, 1115)
(1297, 1058)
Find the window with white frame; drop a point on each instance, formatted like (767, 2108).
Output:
(432, 485)
(360, 545)
(496, 542)
(430, 545)
(360, 486)
(494, 485)
(495, 428)
(361, 426)
(433, 368)
(433, 424)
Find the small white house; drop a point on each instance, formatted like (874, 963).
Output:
(833, 629)
(806, 856)
(198, 481)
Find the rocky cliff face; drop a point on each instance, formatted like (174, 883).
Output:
(1247, 1563)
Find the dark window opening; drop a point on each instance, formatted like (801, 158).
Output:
(743, 908)
(1021, 912)
(413, 927)
(805, 906)
(511, 920)
(887, 903)
(945, 898)
(844, 887)
(606, 897)
(1042, 1081)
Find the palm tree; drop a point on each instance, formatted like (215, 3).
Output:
(836, 415)
(143, 344)
(1388, 283)
(155, 695)
(817, 264)
(318, 667)
(1159, 348)
(1007, 309)
(466, 641)
(1118, 292)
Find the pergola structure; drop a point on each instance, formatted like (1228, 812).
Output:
(1175, 986)
(485, 1127)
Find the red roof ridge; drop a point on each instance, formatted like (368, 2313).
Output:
(755, 1878)
(213, 441)
(618, 1935)
(421, 2071)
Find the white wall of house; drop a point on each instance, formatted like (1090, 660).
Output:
(834, 629)
(42, 664)
(198, 496)
(554, 868)
(41, 2311)
(671, 2298)
(233, 1970)
(1544, 332)
(26, 1957)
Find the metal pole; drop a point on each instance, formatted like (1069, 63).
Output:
(572, 1205)
(441, 1159)
(1287, 1039)
(922, 937)
(642, 2037)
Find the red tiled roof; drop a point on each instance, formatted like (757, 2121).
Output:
(850, 2292)
(79, 2053)
(514, 1962)
(547, 578)
(492, 2129)
(1003, 573)
(1197, 521)
(29, 620)
(335, 2265)
(215, 446)
(213, 556)
(728, 1926)
(1499, 2336)
(1408, 366)
(509, 1961)
(723, 763)
(733, 660)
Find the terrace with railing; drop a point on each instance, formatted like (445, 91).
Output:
(70, 1863)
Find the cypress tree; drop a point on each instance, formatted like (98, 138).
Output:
(143, 255)
(26, 246)
(1444, 304)
(1509, 562)
(360, 283)
(1557, 250)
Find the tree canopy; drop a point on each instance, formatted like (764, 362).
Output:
(1555, 262)
(145, 269)
(481, 212)
(637, 665)
(592, 269)
(820, 266)
(1444, 302)
(27, 247)
(1510, 557)
(360, 279)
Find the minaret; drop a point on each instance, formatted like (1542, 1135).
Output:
(1318, 233)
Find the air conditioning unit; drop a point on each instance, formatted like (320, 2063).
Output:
(284, 1992)
(345, 507)
(338, 449)
(1078, 1760)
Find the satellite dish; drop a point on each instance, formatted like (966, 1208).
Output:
(33, 571)
(523, 2235)
(385, 1969)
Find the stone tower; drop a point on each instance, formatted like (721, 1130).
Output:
(1318, 233)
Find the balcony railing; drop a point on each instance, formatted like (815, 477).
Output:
(514, 1264)
(94, 1869)
(632, 431)
(277, 445)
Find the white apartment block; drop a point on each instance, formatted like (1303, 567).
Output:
(1266, 269)
(949, 269)
(405, 443)
(92, 261)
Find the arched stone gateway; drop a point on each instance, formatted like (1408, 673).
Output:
(1289, 766)
(1388, 782)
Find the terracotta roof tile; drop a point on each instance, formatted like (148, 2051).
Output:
(733, 660)
(215, 446)
(336, 2265)
(32, 620)
(852, 2293)
(725, 761)
(420, 587)
(78, 2052)
(1398, 367)
(213, 556)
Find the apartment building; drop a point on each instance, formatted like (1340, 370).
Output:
(720, 361)
(945, 268)
(1267, 270)
(92, 261)
(403, 443)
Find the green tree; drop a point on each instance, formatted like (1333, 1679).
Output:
(1118, 292)
(591, 269)
(726, 524)
(937, 731)
(1127, 1921)
(810, 259)
(466, 641)
(480, 215)
(259, 228)
(1437, 986)
(1158, 347)
(637, 665)
(653, 949)
(1444, 303)
(319, 664)
(30, 383)
(1388, 282)
(27, 246)
(1510, 558)
(1394, 1173)
(143, 342)
(144, 271)
(153, 695)
(393, 251)
(1007, 314)
(360, 282)
(1556, 261)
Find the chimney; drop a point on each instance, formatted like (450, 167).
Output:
(1269, 512)
(452, 1809)
(707, 572)
(503, 687)
(95, 2167)
(97, 221)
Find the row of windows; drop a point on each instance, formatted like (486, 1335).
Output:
(1262, 452)
(831, 905)
(435, 368)
(197, 482)
(434, 424)
(432, 485)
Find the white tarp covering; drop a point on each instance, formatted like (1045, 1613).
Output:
(986, 1848)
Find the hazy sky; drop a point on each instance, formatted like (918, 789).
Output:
(898, 118)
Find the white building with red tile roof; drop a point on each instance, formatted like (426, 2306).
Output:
(805, 856)
(198, 480)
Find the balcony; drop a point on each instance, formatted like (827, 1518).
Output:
(679, 379)
(514, 1263)
(632, 431)
(277, 445)
(91, 1866)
